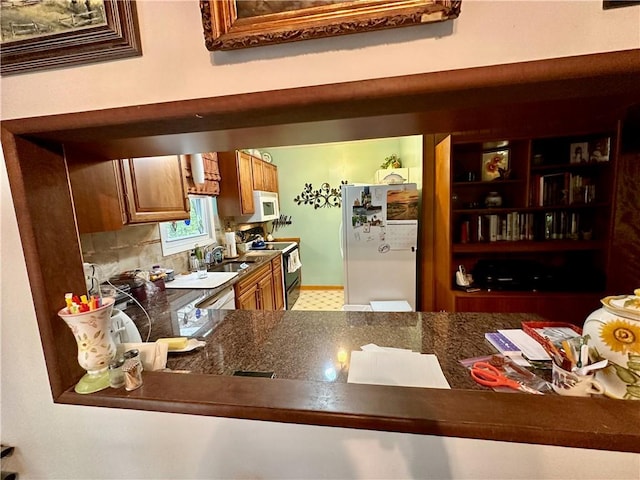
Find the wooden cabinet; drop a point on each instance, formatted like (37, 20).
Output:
(155, 189)
(241, 174)
(265, 175)
(257, 174)
(265, 292)
(248, 300)
(236, 184)
(97, 194)
(261, 289)
(545, 241)
(111, 193)
(256, 291)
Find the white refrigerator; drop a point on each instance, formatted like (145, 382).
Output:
(379, 243)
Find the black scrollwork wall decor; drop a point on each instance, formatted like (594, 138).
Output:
(323, 197)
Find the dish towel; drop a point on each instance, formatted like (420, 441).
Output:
(294, 262)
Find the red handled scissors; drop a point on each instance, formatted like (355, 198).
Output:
(486, 374)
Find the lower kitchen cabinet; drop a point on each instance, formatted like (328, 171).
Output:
(262, 289)
(248, 300)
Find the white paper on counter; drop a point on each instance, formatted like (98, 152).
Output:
(529, 347)
(396, 367)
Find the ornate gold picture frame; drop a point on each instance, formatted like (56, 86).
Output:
(234, 24)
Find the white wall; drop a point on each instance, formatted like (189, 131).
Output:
(64, 442)
(175, 64)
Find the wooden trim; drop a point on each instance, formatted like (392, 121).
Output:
(426, 298)
(606, 74)
(442, 220)
(43, 204)
(530, 419)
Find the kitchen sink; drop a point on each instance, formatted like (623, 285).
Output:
(231, 266)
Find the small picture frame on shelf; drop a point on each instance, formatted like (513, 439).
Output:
(599, 150)
(579, 152)
(495, 165)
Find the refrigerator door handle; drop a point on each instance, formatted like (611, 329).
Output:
(340, 240)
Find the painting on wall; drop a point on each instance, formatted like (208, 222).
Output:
(44, 34)
(234, 24)
(608, 4)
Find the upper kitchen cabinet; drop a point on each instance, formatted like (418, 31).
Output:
(242, 174)
(155, 189)
(265, 175)
(108, 194)
(97, 194)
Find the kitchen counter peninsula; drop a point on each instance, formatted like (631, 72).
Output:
(299, 345)
(303, 345)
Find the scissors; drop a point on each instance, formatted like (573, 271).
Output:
(486, 374)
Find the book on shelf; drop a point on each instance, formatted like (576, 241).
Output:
(562, 188)
(511, 227)
(561, 225)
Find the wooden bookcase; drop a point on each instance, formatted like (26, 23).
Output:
(550, 233)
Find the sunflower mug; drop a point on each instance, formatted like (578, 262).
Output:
(614, 332)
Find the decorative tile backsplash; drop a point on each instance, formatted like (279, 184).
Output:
(132, 247)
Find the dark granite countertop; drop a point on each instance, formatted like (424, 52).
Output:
(298, 346)
(163, 305)
(302, 345)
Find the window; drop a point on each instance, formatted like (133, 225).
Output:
(182, 235)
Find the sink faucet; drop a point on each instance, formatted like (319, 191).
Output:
(215, 254)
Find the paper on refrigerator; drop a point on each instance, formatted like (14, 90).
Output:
(392, 366)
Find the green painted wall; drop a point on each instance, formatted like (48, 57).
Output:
(318, 229)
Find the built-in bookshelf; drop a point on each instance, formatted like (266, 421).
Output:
(543, 202)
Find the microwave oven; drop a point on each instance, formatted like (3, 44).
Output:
(266, 207)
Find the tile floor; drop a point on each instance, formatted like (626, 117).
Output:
(319, 300)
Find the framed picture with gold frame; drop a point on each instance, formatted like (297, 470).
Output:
(234, 24)
(44, 35)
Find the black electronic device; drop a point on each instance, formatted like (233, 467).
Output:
(511, 275)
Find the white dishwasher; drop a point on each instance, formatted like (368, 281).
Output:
(223, 300)
(198, 317)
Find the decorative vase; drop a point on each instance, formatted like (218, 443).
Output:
(493, 200)
(614, 332)
(96, 348)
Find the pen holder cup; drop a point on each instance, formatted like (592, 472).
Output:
(570, 384)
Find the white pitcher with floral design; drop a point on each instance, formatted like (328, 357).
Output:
(96, 348)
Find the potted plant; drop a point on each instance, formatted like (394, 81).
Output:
(392, 161)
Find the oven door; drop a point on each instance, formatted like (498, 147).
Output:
(292, 280)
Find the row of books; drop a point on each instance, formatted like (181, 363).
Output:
(561, 189)
(518, 226)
